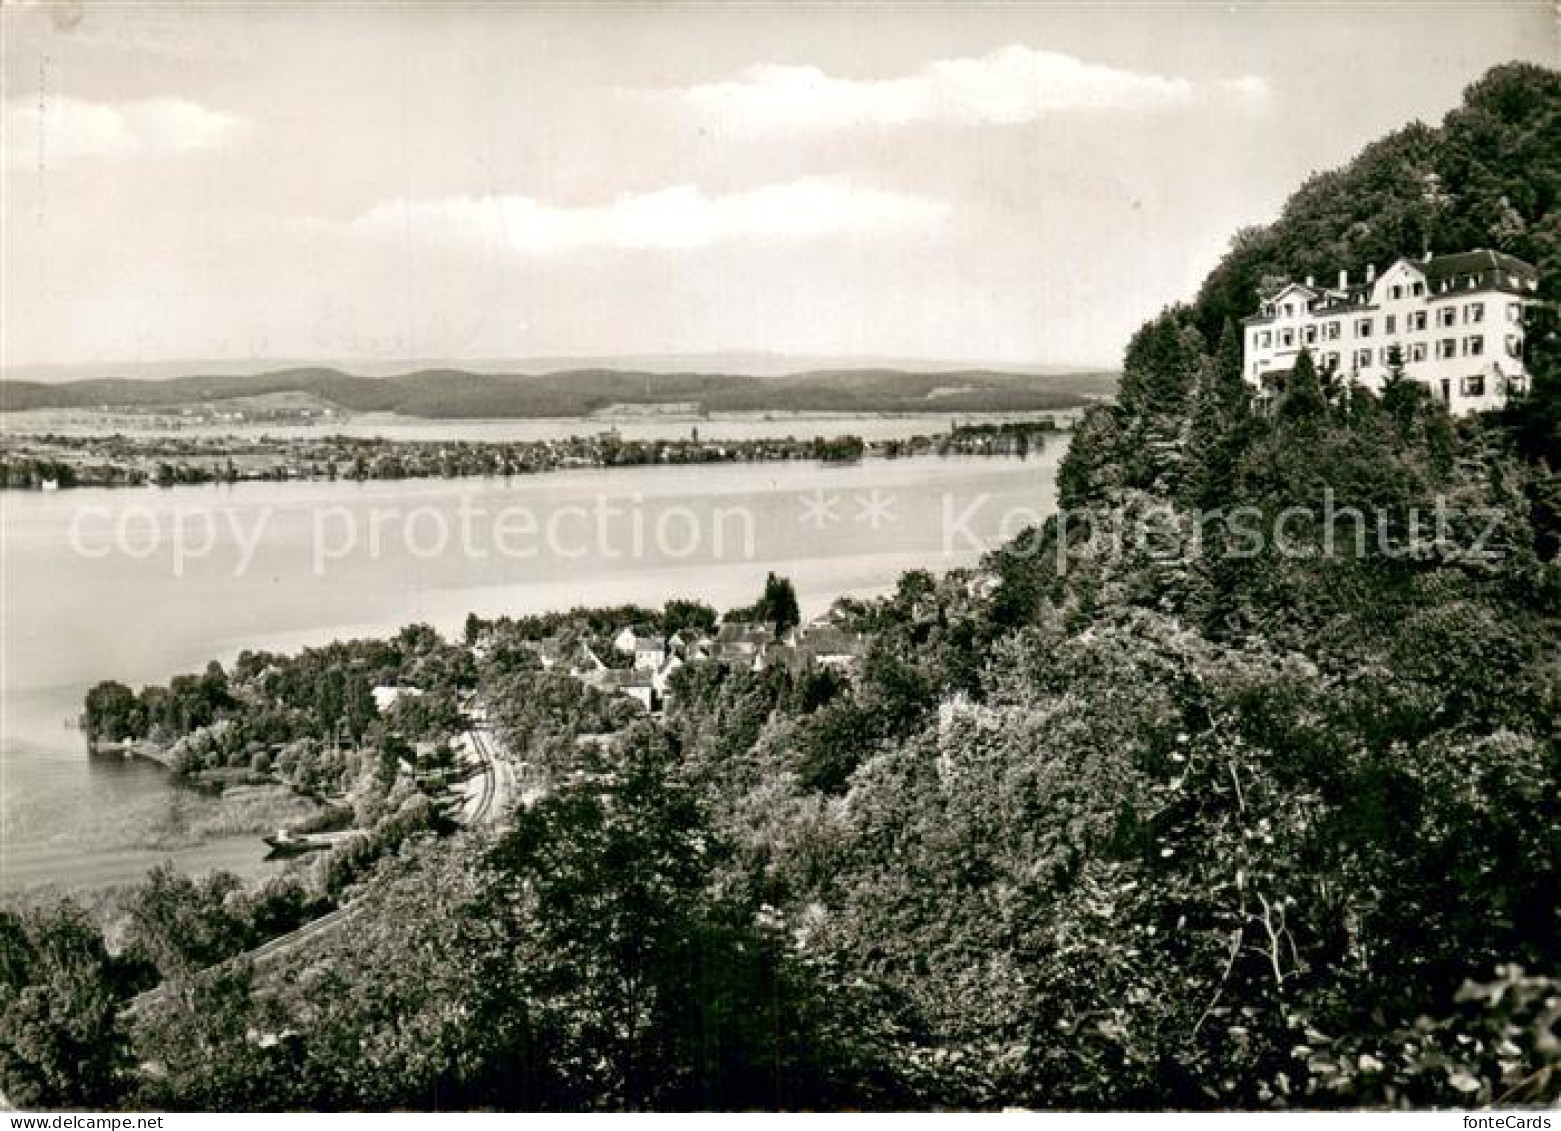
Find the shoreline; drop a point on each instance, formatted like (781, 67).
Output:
(54, 461)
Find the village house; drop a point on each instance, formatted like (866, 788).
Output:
(636, 683)
(1457, 320)
(661, 680)
(578, 659)
(741, 642)
(386, 697)
(689, 644)
(648, 648)
(827, 644)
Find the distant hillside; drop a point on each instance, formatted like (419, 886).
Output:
(459, 393)
(748, 363)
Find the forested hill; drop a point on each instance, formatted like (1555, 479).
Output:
(456, 393)
(1488, 177)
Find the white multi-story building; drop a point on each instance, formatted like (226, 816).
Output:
(1458, 320)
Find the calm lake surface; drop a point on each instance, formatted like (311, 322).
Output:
(141, 584)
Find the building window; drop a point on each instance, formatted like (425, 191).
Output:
(1514, 312)
(1447, 316)
(1332, 331)
(1417, 289)
(1395, 291)
(1514, 346)
(1474, 312)
(1417, 351)
(1362, 359)
(1473, 385)
(1287, 338)
(1289, 309)
(1447, 347)
(1265, 339)
(1363, 327)
(1310, 334)
(1473, 346)
(1417, 320)
(1390, 324)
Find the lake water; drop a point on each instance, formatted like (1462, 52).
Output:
(140, 584)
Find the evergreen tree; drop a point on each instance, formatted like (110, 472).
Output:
(1234, 396)
(1302, 400)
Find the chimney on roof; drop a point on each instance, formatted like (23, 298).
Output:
(1426, 258)
(1371, 272)
(1310, 282)
(1344, 280)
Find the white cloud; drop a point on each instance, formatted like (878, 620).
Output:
(1253, 88)
(1010, 85)
(682, 216)
(64, 129)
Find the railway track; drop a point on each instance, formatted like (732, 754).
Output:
(497, 787)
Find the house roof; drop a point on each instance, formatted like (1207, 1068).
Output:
(1478, 262)
(1491, 270)
(1286, 288)
(829, 640)
(734, 632)
(625, 679)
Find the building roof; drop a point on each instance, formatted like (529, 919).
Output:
(1478, 262)
(624, 679)
(1491, 270)
(829, 640)
(742, 632)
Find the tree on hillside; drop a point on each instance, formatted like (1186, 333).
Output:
(777, 605)
(1160, 369)
(1302, 400)
(61, 1042)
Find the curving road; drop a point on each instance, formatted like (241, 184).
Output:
(497, 783)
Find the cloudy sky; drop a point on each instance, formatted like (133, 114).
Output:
(1019, 184)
